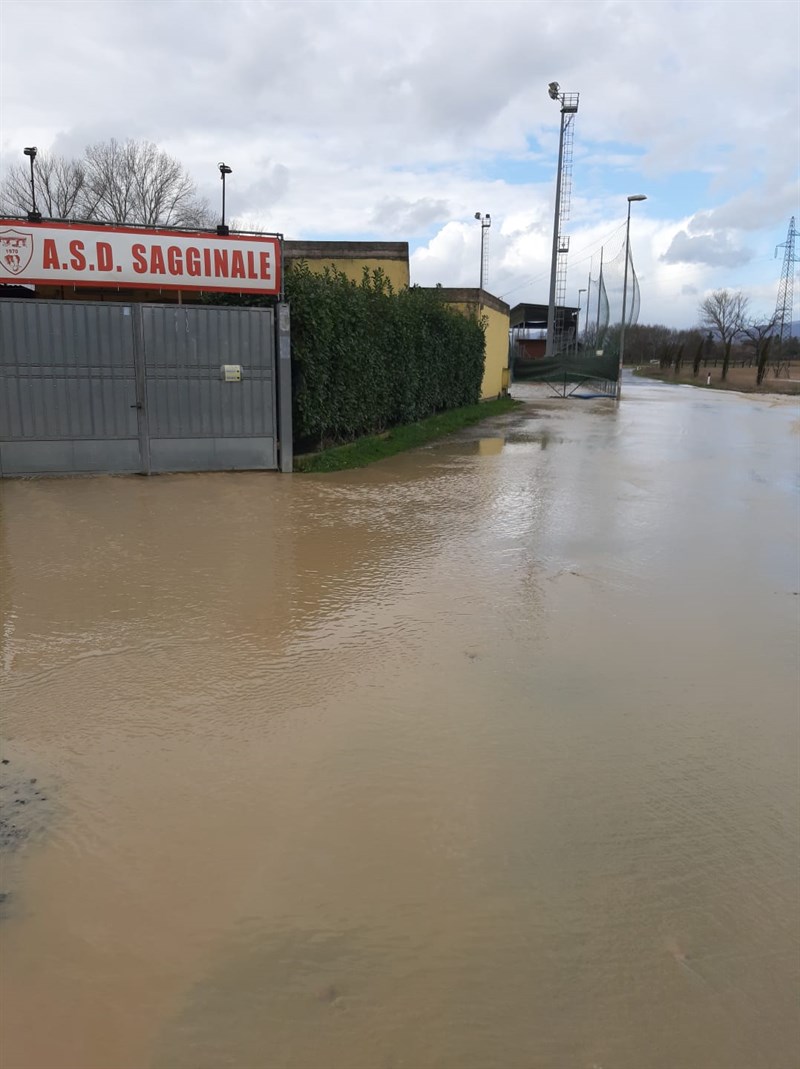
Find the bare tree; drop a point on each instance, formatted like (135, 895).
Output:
(725, 313)
(648, 343)
(114, 182)
(60, 188)
(698, 355)
(238, 223)
(759, 336)
(199, 215)
(136, 182)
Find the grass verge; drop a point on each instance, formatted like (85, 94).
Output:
(376, 447)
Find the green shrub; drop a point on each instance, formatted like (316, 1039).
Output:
(365, 358)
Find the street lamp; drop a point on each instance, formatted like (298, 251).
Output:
(578, 319)
(486, 222)
(33, 216)
(224, 169)
(569, 106)
(631, 199)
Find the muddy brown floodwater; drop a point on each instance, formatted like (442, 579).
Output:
(485, 757)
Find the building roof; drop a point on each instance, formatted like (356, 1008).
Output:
(469, 295)
(523, 315)
(345, 250)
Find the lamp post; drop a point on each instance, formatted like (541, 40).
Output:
(486, 222)
(631, 199)
(578, 319)
(33, 216)
(224, 169)
(569, 106)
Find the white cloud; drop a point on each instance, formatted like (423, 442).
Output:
(396, 215)
(716, 250)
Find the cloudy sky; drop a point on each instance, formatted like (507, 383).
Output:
(399, 120)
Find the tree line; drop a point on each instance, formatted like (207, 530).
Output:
(726, 331)
(112, 182)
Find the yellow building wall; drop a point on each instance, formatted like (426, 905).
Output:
(495, 368)
(495, 371)
(351, 257)
(395, 270)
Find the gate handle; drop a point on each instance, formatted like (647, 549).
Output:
(137, 405)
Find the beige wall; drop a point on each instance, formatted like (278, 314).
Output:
(351, 257)
(495, 372)
(471, 302)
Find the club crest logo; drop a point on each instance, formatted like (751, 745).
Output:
(16, 250)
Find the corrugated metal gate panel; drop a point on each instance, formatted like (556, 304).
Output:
(101, 387)
(67, 388)
(194, 417)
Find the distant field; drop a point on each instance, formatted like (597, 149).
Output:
(742, 379)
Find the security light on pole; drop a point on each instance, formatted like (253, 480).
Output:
(631, 199)
(33, 216)
(224, 169)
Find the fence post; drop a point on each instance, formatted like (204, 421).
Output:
(284, 368)
(139, 365)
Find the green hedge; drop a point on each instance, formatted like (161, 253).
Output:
(365, 358)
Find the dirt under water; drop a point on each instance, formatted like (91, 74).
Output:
(484, 756)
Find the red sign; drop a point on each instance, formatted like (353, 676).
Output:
(60, 254)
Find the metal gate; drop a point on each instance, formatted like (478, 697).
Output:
(102, 387)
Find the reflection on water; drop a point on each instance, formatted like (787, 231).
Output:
(483, 756)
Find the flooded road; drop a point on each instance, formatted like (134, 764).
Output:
(485, 757)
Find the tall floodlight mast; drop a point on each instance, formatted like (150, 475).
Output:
(558, 263)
